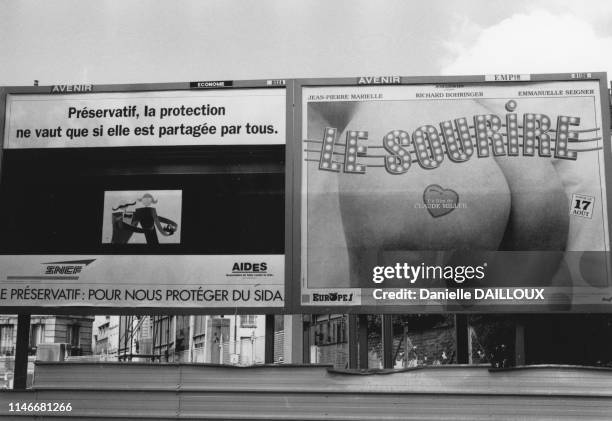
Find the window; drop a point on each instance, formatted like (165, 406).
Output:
(162, 338)
(330, 332)
(37, 334)
(248, 320)
(199, 325)
(182, 333)
(6, 339)
(72, 335)
(199, 331)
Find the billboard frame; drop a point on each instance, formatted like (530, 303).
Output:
(203, 85)
(299, 84)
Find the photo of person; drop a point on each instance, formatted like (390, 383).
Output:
(135, 217)
(122, 223)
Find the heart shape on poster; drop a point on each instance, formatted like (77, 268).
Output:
(440, 201)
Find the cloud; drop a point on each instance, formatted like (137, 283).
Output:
(538, 42)
(597, 12)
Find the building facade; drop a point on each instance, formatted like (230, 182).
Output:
(236, 339)
(73, 331)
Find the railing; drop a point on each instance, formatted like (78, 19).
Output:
(204, 392)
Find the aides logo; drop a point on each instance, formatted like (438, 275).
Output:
(249, 269)
(333, 296)
(71, 267)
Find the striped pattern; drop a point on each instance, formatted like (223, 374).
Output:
(210, 392)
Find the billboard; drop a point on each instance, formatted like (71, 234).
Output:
(471, 194)
(144, 197)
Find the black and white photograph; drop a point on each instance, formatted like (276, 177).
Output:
(155, 214)
(305, 210)
(487, 178)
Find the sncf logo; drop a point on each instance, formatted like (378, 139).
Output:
(72, 267)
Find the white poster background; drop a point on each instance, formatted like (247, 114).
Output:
(258, 107)
(164, 281)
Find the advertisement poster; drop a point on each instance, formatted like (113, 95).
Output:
(144, 196)
(454, 197)
(142, 217)
(147, 281)
(158, 118)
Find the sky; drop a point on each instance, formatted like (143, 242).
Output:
(102, 41)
